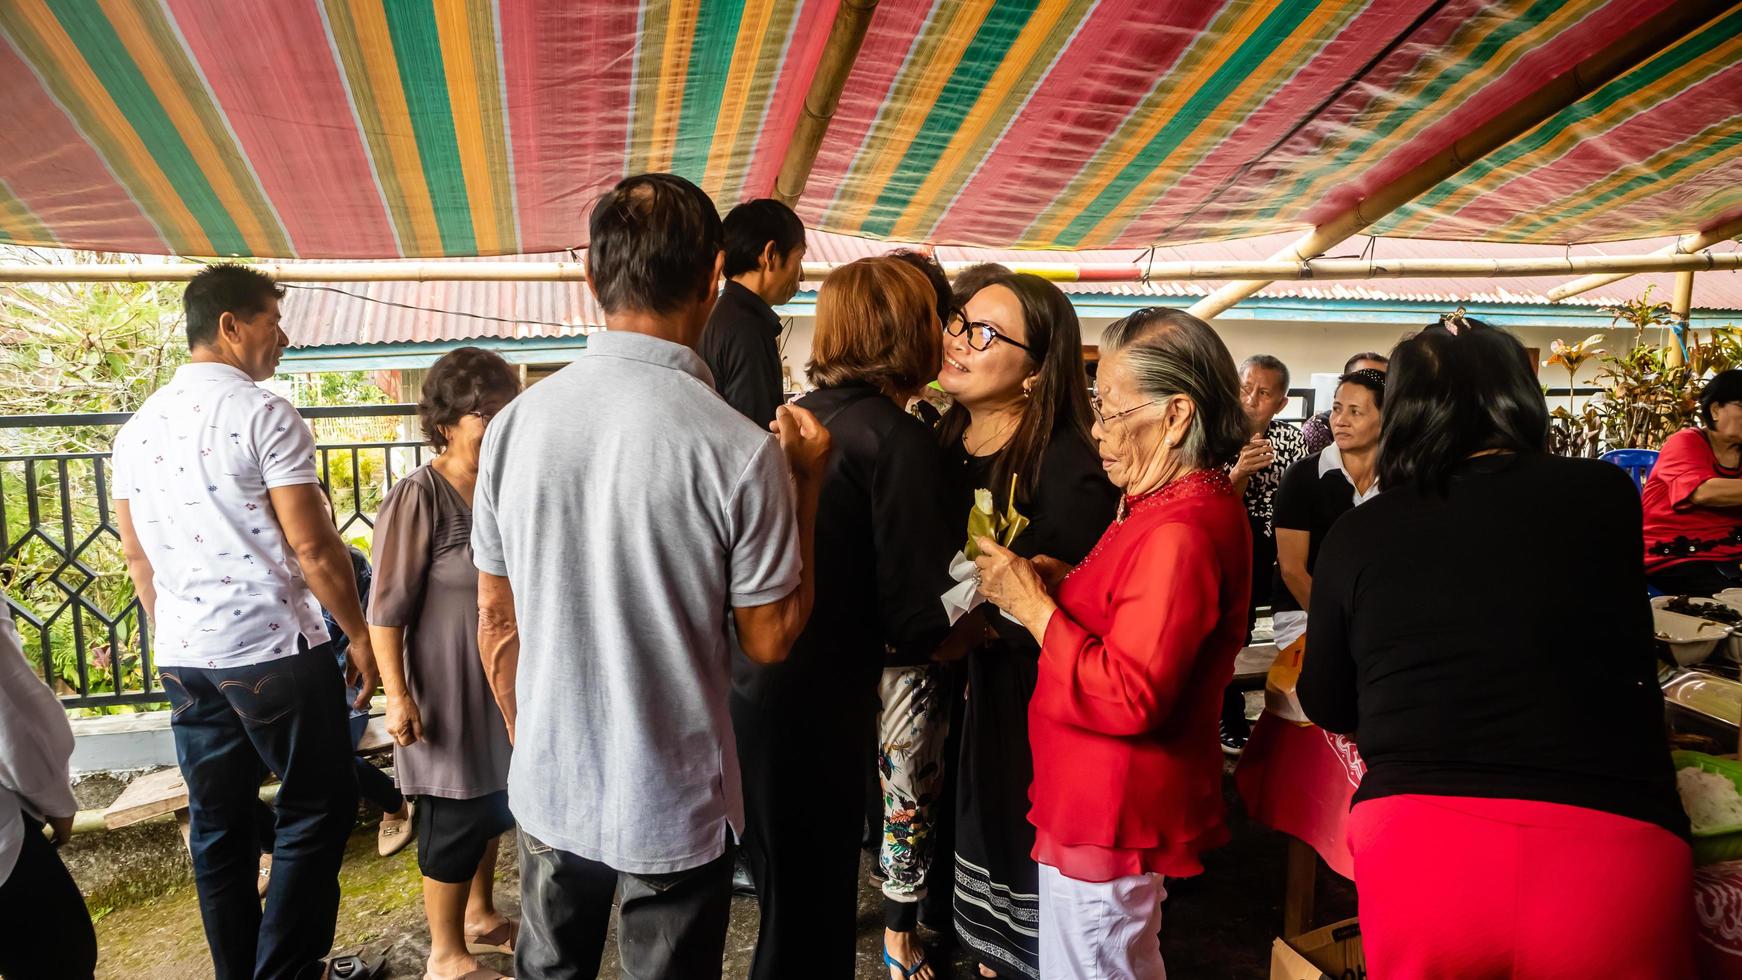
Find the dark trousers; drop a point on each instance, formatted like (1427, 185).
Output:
(49, 931)
(1263, 575)
(373, 785)
(669, 926)
(804, 793)
(287, 716)
(1699, 578)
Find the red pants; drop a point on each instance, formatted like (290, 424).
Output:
(1454, 886)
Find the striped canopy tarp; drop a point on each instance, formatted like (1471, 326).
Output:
(414, 128)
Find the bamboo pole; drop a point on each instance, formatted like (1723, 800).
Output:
(840, 50)
(1674, 23)
(1268, 269)
(1680, 308)
(1693, 242)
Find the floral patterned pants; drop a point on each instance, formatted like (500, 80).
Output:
(910, 765)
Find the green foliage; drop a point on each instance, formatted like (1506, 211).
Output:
(1648, 391)
(105, 347)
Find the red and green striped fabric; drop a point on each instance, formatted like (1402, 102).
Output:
(422, 128)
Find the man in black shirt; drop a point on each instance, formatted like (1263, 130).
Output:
(764, 262)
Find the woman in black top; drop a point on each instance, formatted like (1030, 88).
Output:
(1318, 490)
(883, 549)
(1014, 365)
(1518, 816)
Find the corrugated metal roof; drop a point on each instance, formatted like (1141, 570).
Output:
(414, 312)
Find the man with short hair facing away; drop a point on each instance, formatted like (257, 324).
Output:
(621, 510)
(1273, 448)
(741, 345)
(233, 556)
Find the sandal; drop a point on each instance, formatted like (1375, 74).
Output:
(906, 971)
(482, 973)
(395, 834)
(355, 968)
(498, 940)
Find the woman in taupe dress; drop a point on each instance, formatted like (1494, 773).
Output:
(452, 754)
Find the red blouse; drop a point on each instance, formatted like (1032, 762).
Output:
(1127, 769)
(1672, 524)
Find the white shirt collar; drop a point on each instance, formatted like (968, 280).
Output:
(1332, 459)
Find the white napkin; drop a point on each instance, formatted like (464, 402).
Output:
(965, 594)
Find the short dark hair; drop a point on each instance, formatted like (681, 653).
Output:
(1368, 378)
(934, 274)
(751, 226)
(975, 278)
(460, 383)
(1171, 352)
(224, 288)
(1366, 355)
(1451, 396)
(1269, 362)
(1722, 389)
(652, 243)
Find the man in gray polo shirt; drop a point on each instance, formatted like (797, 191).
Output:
(621, 508)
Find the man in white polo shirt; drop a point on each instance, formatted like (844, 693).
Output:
(233, 556)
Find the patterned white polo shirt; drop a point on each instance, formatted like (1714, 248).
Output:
(195, 465)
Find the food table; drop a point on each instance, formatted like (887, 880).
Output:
(1300, 779)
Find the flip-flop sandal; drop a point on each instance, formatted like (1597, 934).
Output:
(906, 971)
(355, 968)
(498, 940)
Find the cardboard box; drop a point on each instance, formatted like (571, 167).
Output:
(1331, 953)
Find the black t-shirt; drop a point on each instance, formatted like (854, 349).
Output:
(1476, 647)
(883, 549)
(741, 347)
(1308, 501)
(1072, 505)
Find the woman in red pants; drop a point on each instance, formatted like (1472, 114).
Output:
(1519, 816)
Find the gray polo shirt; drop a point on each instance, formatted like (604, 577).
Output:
(630, 507)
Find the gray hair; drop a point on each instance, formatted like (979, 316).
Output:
(1170, 352)
(1269, 362)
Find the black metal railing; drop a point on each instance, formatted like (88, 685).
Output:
(64, 576)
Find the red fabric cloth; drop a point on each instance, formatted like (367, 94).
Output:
(1685, 462)
(1456, 886)
(1127, 769)
(1300, 779)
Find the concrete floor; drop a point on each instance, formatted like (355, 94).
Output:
(1219, 925)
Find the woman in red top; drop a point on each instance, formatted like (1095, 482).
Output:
(1693, 499)
(1137, 644)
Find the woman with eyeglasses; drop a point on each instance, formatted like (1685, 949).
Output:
(1137, 643)
(453, 751)
(1013, 363)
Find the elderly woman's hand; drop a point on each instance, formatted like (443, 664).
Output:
(1012, 583)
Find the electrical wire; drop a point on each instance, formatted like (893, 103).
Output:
(431, 309)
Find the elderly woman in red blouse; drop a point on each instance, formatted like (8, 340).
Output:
(1137, 644)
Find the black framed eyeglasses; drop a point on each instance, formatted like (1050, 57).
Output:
(1095, 406)
(981, 335)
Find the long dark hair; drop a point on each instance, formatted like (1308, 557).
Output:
(1060, 397)
(1449, 396)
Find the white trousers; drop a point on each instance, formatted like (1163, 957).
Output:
(1100, 930)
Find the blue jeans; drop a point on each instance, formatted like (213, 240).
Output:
(287, 716)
